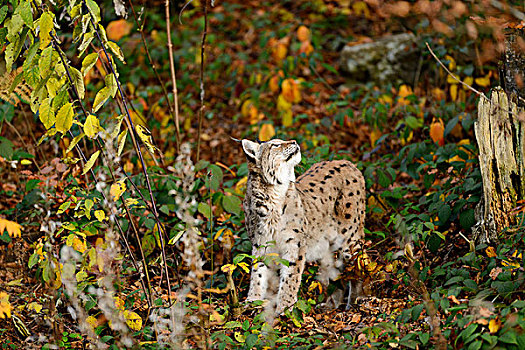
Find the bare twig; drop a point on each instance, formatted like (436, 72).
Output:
(173, 112)
(201, 84)
(508, 8)
(479, 93)
(172, 71)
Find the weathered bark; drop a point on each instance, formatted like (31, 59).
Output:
(512, 66)
(501, 140)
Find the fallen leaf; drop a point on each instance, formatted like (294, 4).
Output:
(491, 252)
(13, 229)
(494, 325)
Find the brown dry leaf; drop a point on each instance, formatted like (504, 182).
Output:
(472, 30)
(436, 131)
(398, 8)
(442, 27)
(495, 272)
(118, 29)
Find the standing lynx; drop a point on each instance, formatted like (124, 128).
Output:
(308, 220)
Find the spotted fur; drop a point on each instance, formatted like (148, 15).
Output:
(309, 219)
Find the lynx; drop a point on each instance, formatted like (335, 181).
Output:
(307, 220)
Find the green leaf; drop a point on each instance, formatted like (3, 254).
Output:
(88, 62)
(232, 204)
(205, 210)
(3, 13)
(78, 81)
(46, 62)
(148, 244)
(329, 68)
(467, 219)
(92, 126)
(90, 163)
(413, 122)
(216, 177)
(416, 311)
(94, 10)
(101, 97)
(424, 338)
(46, 114)
(64, 118)
(444, 214)
(6, 148)
(86, 40)
(509, 338)
(111, 83)
(475, 345)
(24, 9)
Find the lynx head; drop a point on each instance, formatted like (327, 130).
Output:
(273, 160)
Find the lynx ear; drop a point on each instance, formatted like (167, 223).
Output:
(250, 148)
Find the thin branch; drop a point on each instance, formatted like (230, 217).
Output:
(201, 84)
(172, 71)
(479, 93)
(139, 152)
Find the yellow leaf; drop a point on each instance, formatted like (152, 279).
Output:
(361, 8)
(245, 108)
(244, 266)
(100, 215)
(436, 131)
(438, 94)
(25, 162)
(145, 136)
(290, 91)
(92, 321)
(119, 303)
(494, 325)
(287, 117)
(303, 34)
(133, 320)
(5, 306)
(451, 62)
(117, 189)
(306, 48)
(118, 29)
(90, 162)
(483, 81)
(101, 97)
(92, 126)
(79, 245)
(454, 92)
(451, 80)
(374, 136)
(279, 52)
(468, 81)
(491, 252)
(46, 114)
(404, 91)
(34, 306)
(283, 104)
(228, 268)
(266, 132)
(13, 229)
(64, 118)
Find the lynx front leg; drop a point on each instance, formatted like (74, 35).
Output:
(258, 282)
(290, 280)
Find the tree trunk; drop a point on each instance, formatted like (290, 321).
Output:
(501, 139)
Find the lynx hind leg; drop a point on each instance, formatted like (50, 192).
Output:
(350, 212)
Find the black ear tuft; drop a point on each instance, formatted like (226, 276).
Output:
(250, 150)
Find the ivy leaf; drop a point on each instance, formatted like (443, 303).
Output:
(92, 126)
(64, 118)
(101, 97)
(78, 81)
(46, 114)
(88, 62)
(89, 165)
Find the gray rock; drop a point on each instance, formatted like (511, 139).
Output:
(391, 59)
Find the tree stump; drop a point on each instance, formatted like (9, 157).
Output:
(501, 139)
